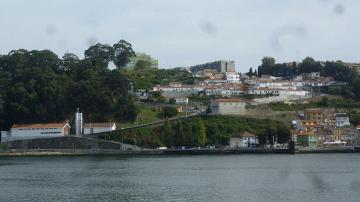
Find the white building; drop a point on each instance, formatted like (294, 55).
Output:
(32, 131)
(90, 128)
(246, 139)
(264, 91)
(228, 106)
(342, 119)
(294, 92)
(142, 95)
(224, 92)
(311, 75)
(182, 100)
(232, 78)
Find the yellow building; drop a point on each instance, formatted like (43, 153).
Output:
(314, 114)
(310, 125)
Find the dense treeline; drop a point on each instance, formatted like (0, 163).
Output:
(38, 86)
(204, 130)
(338, 70)
(145, 77)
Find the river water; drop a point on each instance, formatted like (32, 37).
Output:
(307, 177)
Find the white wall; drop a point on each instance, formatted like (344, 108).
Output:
(342, 121)
(97, 130)
(182, 100)
(242, 142)
(234, 108)
(32, 133)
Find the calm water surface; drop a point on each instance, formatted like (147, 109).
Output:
(308, 177)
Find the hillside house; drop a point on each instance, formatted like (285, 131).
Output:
(228, 106)
(342, 120)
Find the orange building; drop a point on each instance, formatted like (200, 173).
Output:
(314, 114)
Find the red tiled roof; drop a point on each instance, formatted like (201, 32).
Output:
(313, 110)
(99, 125)
(40, 125)
(228, 100)
(247, 134)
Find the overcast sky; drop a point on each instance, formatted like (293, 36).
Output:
(188, 32)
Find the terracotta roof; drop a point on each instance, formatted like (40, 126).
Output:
(266, 88)
(228, 100)
(313, 110)
(40, 125)
(246, 134)
(99, 125)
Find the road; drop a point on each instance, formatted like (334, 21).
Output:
(97, 135)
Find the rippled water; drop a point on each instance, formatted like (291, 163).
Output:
(308, 177)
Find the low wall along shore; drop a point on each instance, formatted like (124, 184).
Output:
(71, 145)
(68, 143)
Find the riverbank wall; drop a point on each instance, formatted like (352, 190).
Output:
(80, 146)
(67, 143)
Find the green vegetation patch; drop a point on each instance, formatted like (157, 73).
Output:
(203, 130)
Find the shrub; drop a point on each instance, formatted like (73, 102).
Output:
(169, 112)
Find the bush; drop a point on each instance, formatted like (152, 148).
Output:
(172, 101)
(3, 147)
(169, 112)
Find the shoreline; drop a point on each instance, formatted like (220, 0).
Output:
(170, 152)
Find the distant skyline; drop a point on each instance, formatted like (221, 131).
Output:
(187, 32)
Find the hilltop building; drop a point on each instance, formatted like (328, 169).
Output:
(221, 66)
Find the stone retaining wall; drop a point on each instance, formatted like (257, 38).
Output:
(68, 142)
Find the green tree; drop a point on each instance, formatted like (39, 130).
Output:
(201, 133)
(265, 67)
(172, 101)
(283, 133)
(169, 112)
(309, 65)
(268, 61)
(142, 65)
(180, 136)
(250, 73)
(70, 61)
(168, 140)
(122, 53)
(324, 102)
(100, 54)
(188, 131)
(40, 87)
